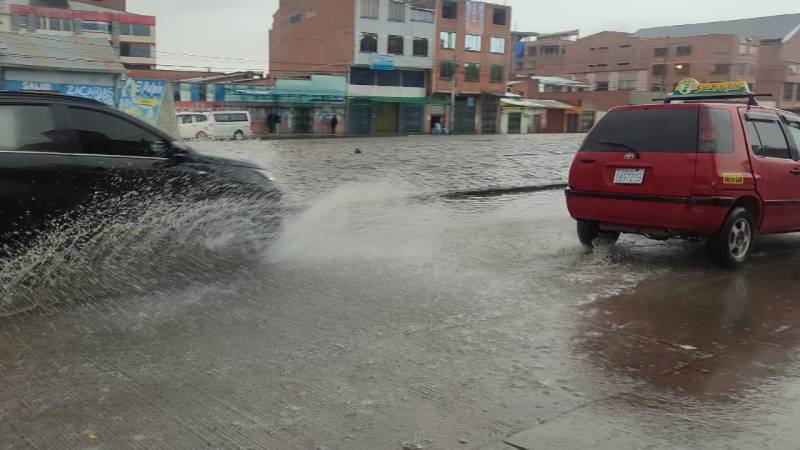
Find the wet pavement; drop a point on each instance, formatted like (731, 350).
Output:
(422, 294)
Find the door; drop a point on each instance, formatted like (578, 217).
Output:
(37, 179)
(490, 105)
(464, 116)
(302, 121)
(386, 118)
(774, 160)
(412, 118)
(360, 118)
(116, 156)
(514, 123)
(572, 123)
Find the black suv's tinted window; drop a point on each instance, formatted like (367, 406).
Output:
(645, 130)
(767, 139)
(29, 128)
(99, 133)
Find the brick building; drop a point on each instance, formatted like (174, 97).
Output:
(403, 58)
(763, 51)
(473, 60)
(385, 47)
(132, 35)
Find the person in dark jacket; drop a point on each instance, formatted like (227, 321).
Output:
(334, 124)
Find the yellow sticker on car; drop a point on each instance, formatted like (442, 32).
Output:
(733, 178)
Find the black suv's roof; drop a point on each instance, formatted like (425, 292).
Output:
(14, 95)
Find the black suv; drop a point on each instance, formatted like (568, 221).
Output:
(63, 154)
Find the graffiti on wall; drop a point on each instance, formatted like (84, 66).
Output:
(143, 99)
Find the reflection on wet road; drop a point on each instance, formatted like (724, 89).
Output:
(402, 308)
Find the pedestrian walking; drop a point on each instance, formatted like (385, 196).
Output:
(334, 124)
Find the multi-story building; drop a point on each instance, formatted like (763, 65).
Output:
(385, 47)
(763, 51)
(398, 52)
(132, 35)
(472, 62)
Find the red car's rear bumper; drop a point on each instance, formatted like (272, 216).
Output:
(702, 216)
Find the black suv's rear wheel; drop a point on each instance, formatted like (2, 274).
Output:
(731, 246)
(589, 233)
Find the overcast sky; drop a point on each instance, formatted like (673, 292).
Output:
(232, 34)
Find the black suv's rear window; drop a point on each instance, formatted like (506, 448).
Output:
(645, 130)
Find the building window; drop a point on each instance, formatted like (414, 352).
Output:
(295, 19)
(550, 50)
(499, 16)
(657, 87)
(659, 69)
(57, 24)
(601, 86)
(136, 50)
(36, 23)
(794, 69)
(721, 69)
(449, 10)
(743, 49)
(96, 27)
(753, 50)
(388, 77)
(369, 9)
(683, 69)
(362, 76)
(369, 43)
(684, 50)
(661, 52)
(498, 45)
(496, 75)
(797, 97)
(395, 46)
(420, 47)
(625, 46)
(414, 78)
(422, 15)
(127, 29)
(720, 48)
(602, 48)
(447, 70)
(448, 39)
(472, 72)
(788, 91)
(532, 51)
(624, 64)
(472, 43)
(627, 85)
(397, 11)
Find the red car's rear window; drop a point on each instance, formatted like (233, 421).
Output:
(673, 130)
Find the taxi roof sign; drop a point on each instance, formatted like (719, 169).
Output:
(690, 86)
(690, 89)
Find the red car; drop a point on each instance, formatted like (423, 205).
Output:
(717, 172)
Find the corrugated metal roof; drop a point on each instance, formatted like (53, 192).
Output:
(559, 81)
(536, 103)
(69, 53)
(772, 28)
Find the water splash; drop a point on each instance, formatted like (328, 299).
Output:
(134, 244)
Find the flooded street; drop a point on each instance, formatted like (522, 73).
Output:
(425, 293)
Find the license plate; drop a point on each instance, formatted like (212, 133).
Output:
(629, 176)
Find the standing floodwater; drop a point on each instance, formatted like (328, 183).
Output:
(390, 311)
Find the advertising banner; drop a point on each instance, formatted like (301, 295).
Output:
(105, 94)
(143, 99)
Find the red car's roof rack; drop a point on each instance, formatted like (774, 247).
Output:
(752, 98)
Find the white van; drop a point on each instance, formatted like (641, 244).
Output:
(215, 125)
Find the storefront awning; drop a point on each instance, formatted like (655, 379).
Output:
(410, 100)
